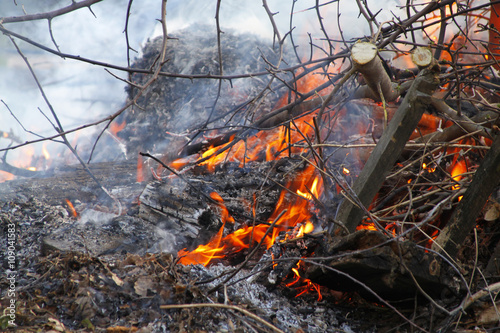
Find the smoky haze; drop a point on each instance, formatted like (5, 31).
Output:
(81, 93)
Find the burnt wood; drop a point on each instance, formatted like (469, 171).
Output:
(388, 267)
(389, 147)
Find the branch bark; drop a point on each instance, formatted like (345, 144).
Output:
(368, 63)
(49, 15)
(390, 146)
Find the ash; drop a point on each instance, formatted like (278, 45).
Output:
(302, 314)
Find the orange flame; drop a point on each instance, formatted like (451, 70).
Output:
(459, 168)
(114, 128)
(71, 208)
(298, 211)
(307, 284)
(203, 254)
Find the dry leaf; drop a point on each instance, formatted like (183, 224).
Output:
(142, 285)
(489, 316)
(119, 282)
(492, 213)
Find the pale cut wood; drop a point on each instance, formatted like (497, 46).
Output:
(422, 57)
(363, 53)
(368, 63)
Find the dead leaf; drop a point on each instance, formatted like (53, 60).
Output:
(142, 285)
(57, 325)
(492, 213)
(489, 316)
(119, 282)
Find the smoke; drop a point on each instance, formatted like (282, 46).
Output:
(81, 93)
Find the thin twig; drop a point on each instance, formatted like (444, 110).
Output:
(222, 306)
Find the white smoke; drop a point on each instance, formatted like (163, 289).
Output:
(81, 93)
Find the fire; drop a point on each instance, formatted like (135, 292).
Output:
(71, 208)
(265, 145)
(294, 206)
(313, 189)
(306, 228)
(305, 286)
(114, 128)
(291, 210)
(459, 168)
(205, 253)
(428, 168)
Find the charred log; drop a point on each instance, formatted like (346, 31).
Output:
(74, 183)
(390, 268)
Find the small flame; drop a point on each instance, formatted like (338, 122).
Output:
(71, 208)
(45, 152)
(308, 195)
(459, 168)
(203, 254)
(428, 168)
(367, 226)
(307, 284)
(114, 128)
(306, 228)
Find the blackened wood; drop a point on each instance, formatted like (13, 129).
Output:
(390, 146)
(463, 219)
(493, 267)
(384, 267)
